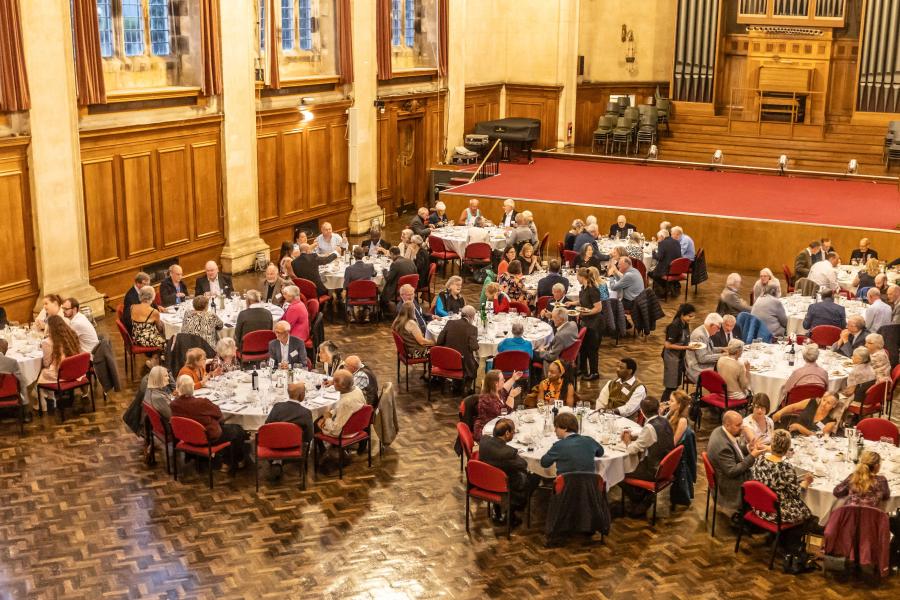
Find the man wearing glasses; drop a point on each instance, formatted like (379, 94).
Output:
(87, 335)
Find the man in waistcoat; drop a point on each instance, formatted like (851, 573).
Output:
(623, 395)
(655, 440)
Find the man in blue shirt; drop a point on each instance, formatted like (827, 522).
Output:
(516, 342)
(573, 452)
(686, 243)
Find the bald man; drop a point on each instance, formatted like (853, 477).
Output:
(619, 229)
(732, 459)
(363, 378)
(292, 411)
(350, 401)
(212, 282)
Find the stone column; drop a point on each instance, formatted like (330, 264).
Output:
(456, 78)
(364, 192)
(239, 178)
(567, 67)
(54, 154)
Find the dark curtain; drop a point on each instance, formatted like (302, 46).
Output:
(13, 78)
(344, 42)
(88, 62)
(211, 47)
(383, 38)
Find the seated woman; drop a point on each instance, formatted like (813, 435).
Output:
(635, 248)
(61, 343)
(529, 259)
(574, 231)
(556, 386)
(878, 356)
(194, 367)
(735, 372)
(586, 258)
(51, 306)
(406, 249)
(496, 297)
(516, 342)
(146, 327)
(495, 394)
(407, 329)
(676, 412)
(330, 357)
(767, 281)
(285, 257)
(866, 277)
(864, 486)
(509, 255)
(226, 357)
(678, 409)
(861, 373)
(809, 416)
(159, 391)
(772, 470)
(450, 301)
(513, 282)
(758, 424)
(202, 322)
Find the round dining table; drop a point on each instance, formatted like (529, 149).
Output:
(847, 273)
(796, 306)
(606, 245)
(25, 349)
(530, 283)
(173, 316)
(456, 237)
(333, 273)
(499, 327)
(535, 436)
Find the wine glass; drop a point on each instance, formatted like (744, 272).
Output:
(520, 410)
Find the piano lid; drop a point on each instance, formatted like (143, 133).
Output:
(511, 130)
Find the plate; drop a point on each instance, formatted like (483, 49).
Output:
(696, 345)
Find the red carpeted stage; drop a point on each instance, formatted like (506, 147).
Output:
(745, 220)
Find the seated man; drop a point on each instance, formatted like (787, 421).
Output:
(862, 254)
(623, 395)
(572, 452)
(808, 373)
(516, 342)
(625, 280)
(306, 266)
(292, 411)
(730, 301)
(469, 214)
(286, 350)
(87, 334)
(826, 312)
(521, 234)
(769, 309)
(439, 218)
(462, 335)
(420, 224)
(478, 233)
(328, 243)
(565, 334)
(853, 337)
(706, 356)
(363, 378)
(878, 312)
(400, 266)
(253, 318)
(213, 282)
(351, 400)
(508, 218)
(173, 290)
(823, 273)
(408, 294)
(587, 236)
(132, 297)
(546, 283)
(685, 242)
(667, 250)
(270, 288)
(732, 459)
(557, 298)
(495, 450)
(620, 229)
(655, 440)
(209, 415)
(729, 331)
(375, 245)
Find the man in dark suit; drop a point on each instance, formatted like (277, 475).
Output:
(804, 261)
(291, 411)
(252, 318)
(462, 335)
(619, 229)
(546, 283)
(420, 224)
(375, 246)
(826, 312)
(213, 282)
(508, 218)
(729, 331)
(495, 450)
(399, 267)
(359, 269)
(132, 296)
(286, 349)
(732, 459)
(173, 290)
(306, 266)
(408, 294)
(270, 288)
(667, 250)
(852, 337)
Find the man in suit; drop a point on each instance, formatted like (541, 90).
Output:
(852, 337)
(731, 459)
(729, 331)
(11, 367)
(706, 356)
(270, 288)
(296, 314)
(587, 236)
(213, 282)
(173, 290)
(306, 266)
(291, 411)
(565, 334)
(252, 318)
(375, 246)
(730, 301)
(462, 335)
(804, 261)
(826, 312)
(893, 296)
(508, 218)
(667, 250)
(495, 450)
(400, 266)
(619, 229)
(287, 350)
(420, 224)
(571, 452)
(133, 296)
(408, 294)
(546, 283)
(652, 444)
(358, 271)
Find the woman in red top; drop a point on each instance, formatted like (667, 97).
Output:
(864, 486)
(495, 394)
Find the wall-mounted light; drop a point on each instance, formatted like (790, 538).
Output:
(718, 157)
(305, 113)
(852, 167)
(782, 163)
(379, 104)
(653, 154)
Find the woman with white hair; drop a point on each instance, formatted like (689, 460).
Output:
(809, 373)
(145, 323)
(450, 300)
(422, 258)
(634, 248)
(574, 231)
(881, 363)
(159, 391)
(438, 217)
(405, 250)
(766, 283)
(730, 301)
(735, 372)
(861, 373)
(226, 357)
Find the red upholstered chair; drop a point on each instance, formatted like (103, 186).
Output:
(512, 360)
(825, 335)
(412, 280)
(281, 441)
(131, 350)
(665, 476)
(641, 268)
(485, 482)
(560, 248)
(788, 277)
(477, 255)
(9, 397)
(467, 441)
(569, 356)
(72, 375)
(803, 392)
(542, 247)
(520, 307)
(192, 439)
(404, 357)
(309, 291)
(362, 292)
(446, 363)
(873, 401)
(354, 431)
(678, 270)
(711, 488)
(873, 429)
(717, 394)
(312, 309)
(427, 288)
(158, 299)
(541, 304)
(758, 496)
(569, 257)
(157, 430)
(440, 252)
(255, 346)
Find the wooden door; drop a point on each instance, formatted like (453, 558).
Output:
(411, 176)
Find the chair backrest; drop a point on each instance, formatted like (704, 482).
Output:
(669, 463)
(520, 307)
(486, 477)
(679, 266)
(123, 331)
(429, 283)
(466, 440)
(478, 251)
(312, 308)
(710, 471)
(436, 244)
(713, 382)
(188, 430)
(788, 275)
(825, 335)
(806, 287)
(862, 292)
(412, 280)
(560, 248)
(362, 289)
(569, 257)
(803, 392)
(559, 484)
(120, 311)
(9, 386)
(875, 395)
(74, 367)
(358, 421)
(511, 360)
(446, 358)
(570, 354)
(398, 342)
(542, 247)
(257, 341)
(307, 287)
(279, 436)
(541, 304)
(874, 429)
(156, 422)
(760, 497)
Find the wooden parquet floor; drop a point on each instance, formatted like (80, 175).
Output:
(82, 517)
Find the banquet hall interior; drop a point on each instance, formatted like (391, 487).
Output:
(449, 298)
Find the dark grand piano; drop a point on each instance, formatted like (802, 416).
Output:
(515, 134)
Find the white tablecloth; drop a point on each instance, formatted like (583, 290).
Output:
(533, 440)
(769, 369)
(234, 396)
(228, 314)
(531, 284)
(333, 273)
(536, 331)
(828, 461)
(456, 237)
(847, 273)
(796, 306)
(25, 348)
(606, 245)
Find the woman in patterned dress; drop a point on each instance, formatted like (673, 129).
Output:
(202, 323)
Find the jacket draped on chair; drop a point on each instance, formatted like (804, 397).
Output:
(580, 508)
(753, 328)
(646, 311)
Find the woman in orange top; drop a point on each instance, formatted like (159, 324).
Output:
(195, 367)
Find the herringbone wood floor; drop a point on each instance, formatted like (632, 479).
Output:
(82, 517)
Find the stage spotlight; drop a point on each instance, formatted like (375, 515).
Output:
(852, 167)
(782, 163)
(653, 153)
(718, 157)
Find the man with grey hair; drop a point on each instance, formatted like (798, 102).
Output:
(878, 313)
(667, 250)
(702, 354)
(521, 233)
(685, 241)
(769, 309)
(620, 229)
(730, 301)
(625, 280)
(893, 298)
(462, 335)
(212, 282)
(516, 342)
(565, 333)
(286, 350)
(253, 318)
(172, 289)
(438, 217)
(132, 297)
(557, 299)
(420, 224)
(809, 373)
(508, 218)
(272, 283)
(587, 236)
(329, 242)
(853, 337)
(729, 331)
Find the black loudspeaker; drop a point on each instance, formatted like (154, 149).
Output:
(581, 65)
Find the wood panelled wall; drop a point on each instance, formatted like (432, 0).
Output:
(18, 275)
(732, 70)
(302, 170)
(423, 116)
(150, 193)
(591, 100)
(536, 102)
(482, 104)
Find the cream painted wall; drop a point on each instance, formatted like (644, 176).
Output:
(485, 48)
(600, 39)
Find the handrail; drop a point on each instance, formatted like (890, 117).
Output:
(486, 157)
